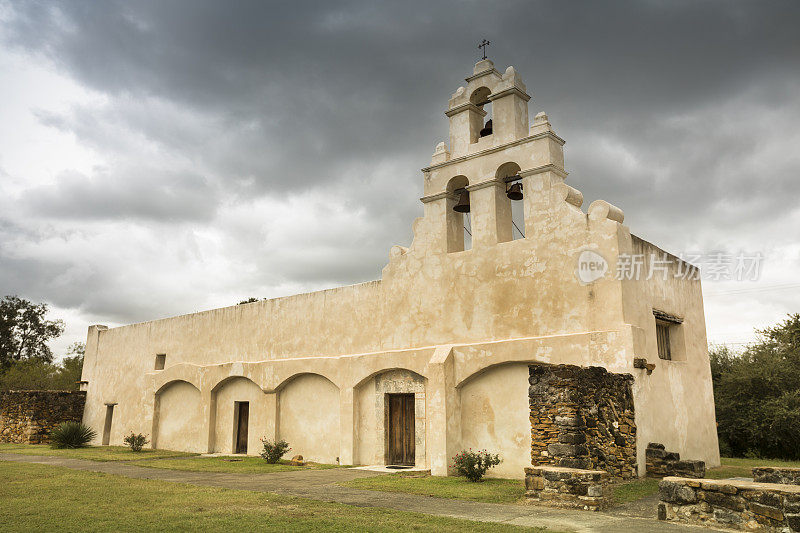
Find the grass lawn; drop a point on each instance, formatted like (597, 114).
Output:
(240, 465)
(489, 490)
(512, 490)
(731, 467)
(92, 453)
(740, 467)
(46, 498)
(635, 490)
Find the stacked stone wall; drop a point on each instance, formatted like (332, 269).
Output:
(731, 503)
(568, 487)
(582, 418)
(770, 474)
(26, 417)
(661, 463)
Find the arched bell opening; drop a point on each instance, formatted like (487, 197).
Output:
(509, 174)
(458, 219)
(483, 123)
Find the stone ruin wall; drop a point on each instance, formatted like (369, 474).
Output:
(775, 474)
(661, 463)
(26, 417)
(730, 503)
(582, 418)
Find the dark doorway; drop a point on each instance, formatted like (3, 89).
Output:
(401, 429)
(107, 425)
(242, 415)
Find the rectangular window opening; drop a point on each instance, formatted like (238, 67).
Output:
(161, 360)
(107, 425)
(670, 337)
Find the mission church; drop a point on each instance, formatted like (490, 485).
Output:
(507, 278)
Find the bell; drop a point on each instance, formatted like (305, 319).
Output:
(463, 203)
(487, 129)
(515, 192)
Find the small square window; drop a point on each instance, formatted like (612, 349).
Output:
(663, 341)
(161, 360)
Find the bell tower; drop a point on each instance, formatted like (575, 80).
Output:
(495, 157)
(506, 93)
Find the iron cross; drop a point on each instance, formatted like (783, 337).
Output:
(483, 45)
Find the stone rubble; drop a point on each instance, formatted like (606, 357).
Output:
(568, 487)
(661, 463)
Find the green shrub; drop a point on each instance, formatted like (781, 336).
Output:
(757, 394)
(473, 465)
(71, 435)
(274, 450)
(135, 441)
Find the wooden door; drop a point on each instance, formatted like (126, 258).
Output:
(401, 429)
(241, 427)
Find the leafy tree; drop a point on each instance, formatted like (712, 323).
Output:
(35, 374)
(757, 394)
(31, 374)
(71, 367)
(24, 331)
(249, 301)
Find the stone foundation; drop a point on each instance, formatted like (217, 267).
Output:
(661, 463)
(568, 487)
(582, 418)
(26, 417)
(768, 474)
(728, 503)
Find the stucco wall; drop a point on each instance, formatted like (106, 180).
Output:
(179, 419)
(308, 420)
(675, 404)
(494, 416)
(368, 449)
(443, 315)
(240, 390)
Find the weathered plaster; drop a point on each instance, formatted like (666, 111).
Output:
(308, 417)
(488, 422)
(178, 418)
(239, 389)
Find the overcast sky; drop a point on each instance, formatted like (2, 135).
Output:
(159, 158)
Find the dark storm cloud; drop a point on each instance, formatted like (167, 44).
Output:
(329, 82)
(140, 193)
(682, 113)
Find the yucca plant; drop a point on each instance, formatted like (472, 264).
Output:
(71, 435)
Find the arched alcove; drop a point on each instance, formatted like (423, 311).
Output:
(483, 128)
(494, 416)
(308, 417)
(459, 227)
(513, 198)
(374, 399)
(178, 418)
(239, 405)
